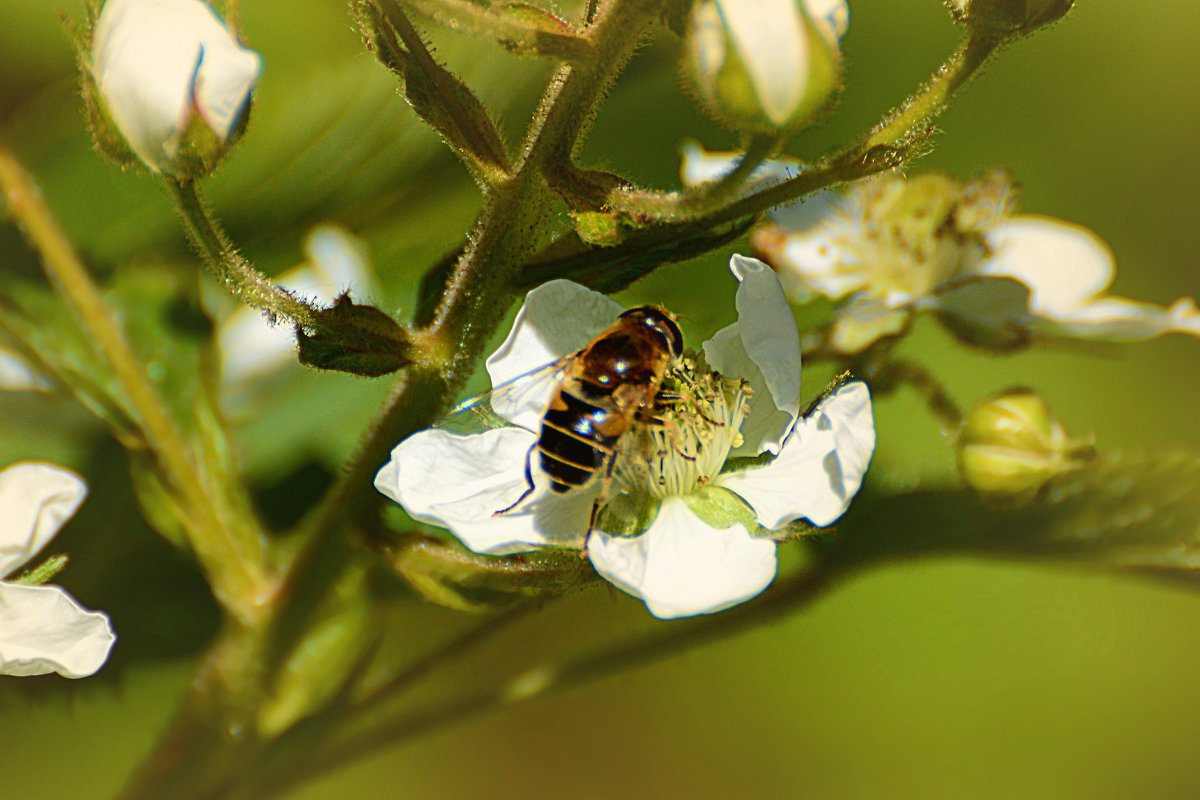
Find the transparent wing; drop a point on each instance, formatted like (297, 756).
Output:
(519, 401)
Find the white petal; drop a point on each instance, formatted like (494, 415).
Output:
(820, 467)
(682, 567)
(35, 500)
(1062, 264)
(339, 262)
(43, 630)
(772, 43)
(227, 74)
(18, 376)
(1067, 267)
(152, 57)
(460, 482)
(558, 318)
(763, 347)
(806, 247)
(697, 166)
(1118, 319)
(833, 16)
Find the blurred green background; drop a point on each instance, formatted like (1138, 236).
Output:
(945, 678)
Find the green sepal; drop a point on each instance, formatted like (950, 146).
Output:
(597, 228)
(447, 574)
(105, 135)
(720, 508)
(438, 97)
(628, 514)
(43, 572)
(354, 338)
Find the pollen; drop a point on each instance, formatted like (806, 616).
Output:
(696, 422)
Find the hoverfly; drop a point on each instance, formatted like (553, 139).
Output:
(602, 391)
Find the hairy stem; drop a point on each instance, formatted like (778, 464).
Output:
(231, 556)
(227, 264)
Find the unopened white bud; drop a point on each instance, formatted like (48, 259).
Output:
(173, 80)
(768, 66)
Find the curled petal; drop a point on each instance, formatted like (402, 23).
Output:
(36, 499)
(557, 319)
(1118, 319)
(1063, 265)
(43, 630)
(460, 482)
(763, 347)
(155, 59)
(833, 16)
(681, 567)
(1067, 268)
(820, 467)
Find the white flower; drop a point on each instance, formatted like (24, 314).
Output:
(894, 246)
(706, 549)
(156, 62)
(42, 628)
(769, 64)
(252, 347)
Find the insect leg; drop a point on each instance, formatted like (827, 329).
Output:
(605, 486)
(529, 485)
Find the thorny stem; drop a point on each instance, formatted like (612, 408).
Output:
(229, 266)
(232, 558)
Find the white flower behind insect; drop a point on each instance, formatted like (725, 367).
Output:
(890, 247)
(173, 80)
(769, 66)
(692, 521)
(42, 628)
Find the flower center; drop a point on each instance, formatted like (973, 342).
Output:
(907, 236)
(697, 420)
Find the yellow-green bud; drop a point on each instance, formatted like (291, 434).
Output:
(769, 66)
(1012, 445)
(1008, 17)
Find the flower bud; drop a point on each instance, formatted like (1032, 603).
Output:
(769, 66)
(1012, 445)
(171, 81)
(1008, 17)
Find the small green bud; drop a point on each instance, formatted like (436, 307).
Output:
(166, 84)
(448, 575)
(1012, 445)
(1008, 17)
(770, 66)
(355, 338)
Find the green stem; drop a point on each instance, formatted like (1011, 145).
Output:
(232, 561)
(934, 97)
(227, 264)
(891, 143)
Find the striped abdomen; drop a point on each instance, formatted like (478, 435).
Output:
(578, 436)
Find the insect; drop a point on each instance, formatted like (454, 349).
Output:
(602, 391)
